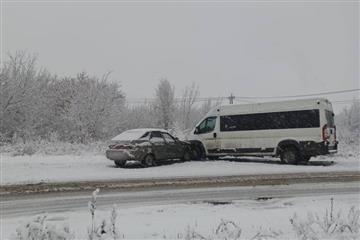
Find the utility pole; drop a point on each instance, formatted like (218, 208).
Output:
(231, 99)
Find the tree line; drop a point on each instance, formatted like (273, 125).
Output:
(36, 104)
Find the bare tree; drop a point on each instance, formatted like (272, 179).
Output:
(94, 111)
(139, 116)
(164, 105)
(209, 104)
(35, 104)
(21, 96)
(187, 112)
(348, 124)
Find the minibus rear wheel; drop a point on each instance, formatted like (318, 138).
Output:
(290, 155)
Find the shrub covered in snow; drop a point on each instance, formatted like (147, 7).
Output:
(40, 229)
(225, 230)
(230, 230)
(267, 234)
(329, 226)
(104, 230)
(348, 125)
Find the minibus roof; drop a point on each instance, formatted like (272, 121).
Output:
(287, 105)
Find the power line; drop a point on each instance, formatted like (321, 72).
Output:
(305, 95)
(346, 101)
(239, 99)
(148, 100)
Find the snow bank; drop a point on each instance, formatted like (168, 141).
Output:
(42, 147)
(176, 221)
(43, 168)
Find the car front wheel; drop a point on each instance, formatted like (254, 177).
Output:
(119, 163)
(187, 156)
(148, 161)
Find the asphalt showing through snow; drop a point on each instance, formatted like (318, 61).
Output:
(181, 182)
(17, 205)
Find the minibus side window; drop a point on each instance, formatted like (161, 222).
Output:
(271, 120)
(206, 126)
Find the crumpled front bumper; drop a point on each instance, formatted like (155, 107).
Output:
(311, 148)
(119, 155)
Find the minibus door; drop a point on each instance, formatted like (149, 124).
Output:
(207, 133)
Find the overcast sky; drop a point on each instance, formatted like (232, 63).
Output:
(263, 49)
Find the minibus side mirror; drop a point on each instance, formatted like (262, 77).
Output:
(196, 130)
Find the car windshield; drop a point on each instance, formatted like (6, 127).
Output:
(129, 135)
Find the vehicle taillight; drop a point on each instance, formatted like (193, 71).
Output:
(325, 133)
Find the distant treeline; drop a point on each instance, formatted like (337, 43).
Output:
(36, 104)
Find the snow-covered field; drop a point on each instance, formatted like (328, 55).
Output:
(269, 217)
(46, 168)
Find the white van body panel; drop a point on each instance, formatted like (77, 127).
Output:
(266, 141)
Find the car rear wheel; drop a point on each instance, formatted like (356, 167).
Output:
(119, 163)
(290, 155)
(187, 156)
(149, 160)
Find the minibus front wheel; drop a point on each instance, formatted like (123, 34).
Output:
(290, 155)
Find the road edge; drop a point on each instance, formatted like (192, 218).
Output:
(181, 182)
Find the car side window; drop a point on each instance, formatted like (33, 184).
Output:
(156, 137)
(206, 126)
(145, 137)
(168, 138)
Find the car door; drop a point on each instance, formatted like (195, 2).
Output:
(158, 145)
(173, 147)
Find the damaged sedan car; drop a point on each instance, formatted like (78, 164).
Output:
(147, 146)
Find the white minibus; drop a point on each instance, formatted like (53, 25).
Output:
(293, 130)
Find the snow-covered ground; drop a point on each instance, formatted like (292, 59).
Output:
(45, 168)
(271, 216)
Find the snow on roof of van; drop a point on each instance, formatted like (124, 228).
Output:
(306, 100)
(134, 134)
(272, 106)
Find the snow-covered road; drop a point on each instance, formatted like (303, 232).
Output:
(38, 168)
(57, 202)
